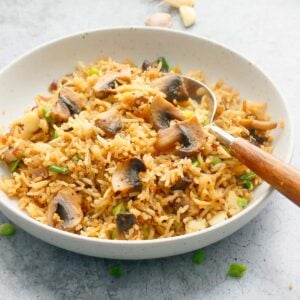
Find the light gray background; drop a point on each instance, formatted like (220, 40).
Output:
(268, 32)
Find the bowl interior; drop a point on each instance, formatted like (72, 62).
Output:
(21, 81)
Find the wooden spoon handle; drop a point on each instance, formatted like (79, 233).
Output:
(280, 175)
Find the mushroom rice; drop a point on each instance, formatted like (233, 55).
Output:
(116, 151)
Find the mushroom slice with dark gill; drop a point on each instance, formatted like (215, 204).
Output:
(60, 111)
(71, 99)
(105, 85)
(189, 133)
(162, 112)
(255, 138)
(182, 184)
(126, 177)
(164, 65)
(68, 103)
(172, 86)
(67, 205)
(125, 221)
(110, 122)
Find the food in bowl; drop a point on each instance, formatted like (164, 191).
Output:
(120, 152)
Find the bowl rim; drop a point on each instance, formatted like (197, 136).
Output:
(262, 198)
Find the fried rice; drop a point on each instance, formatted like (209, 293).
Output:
(105, 153)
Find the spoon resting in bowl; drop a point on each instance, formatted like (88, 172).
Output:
(281, 176)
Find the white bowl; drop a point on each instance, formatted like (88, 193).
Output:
(32, 73)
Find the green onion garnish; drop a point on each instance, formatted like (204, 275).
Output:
(113, 234)
(199, 257)
(242, 202)
(47, 116)
(59, 169)
(7, 229)
(196, 163)
(76, 158)
(93, 71)
(176, 225)
(237, 270)
(164, 64)
(116, 271)
(120, 208)
(248, 176)
(14, 164)
(146, 232)
(53, 134)
(216, 160)
(248, 184)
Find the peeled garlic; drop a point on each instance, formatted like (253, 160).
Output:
(159, 20)
(188, 15)
(178, 3)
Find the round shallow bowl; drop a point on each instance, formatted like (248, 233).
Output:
(32, 73)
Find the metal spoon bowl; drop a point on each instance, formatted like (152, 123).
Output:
(281, 176)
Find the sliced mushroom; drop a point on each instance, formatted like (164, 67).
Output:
(255, 138)
(167, 138)
(161, 60)
(257, 124)
(67, 205)
(193, 136)
(126, 177)
(146, 65)
(105, 85)
(182, 184)
(172, 86)
(73, 100)
(189, 133)
(109, 122)
(162, 112)
(125, 221)
(60, 111)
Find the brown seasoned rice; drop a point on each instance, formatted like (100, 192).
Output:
(92, 157)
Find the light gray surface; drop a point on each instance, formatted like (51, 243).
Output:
(268, 32)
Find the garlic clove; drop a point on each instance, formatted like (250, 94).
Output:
(188, 15)
(178, 3)
(159, 20)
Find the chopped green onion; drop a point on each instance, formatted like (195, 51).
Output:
(247, 176)
(53, 134)
(113, 234)
(216, 160)
(176, 225)
(59, 169)
(14, 164)
(47, 116)
(248, 184)
(76, 158)
(93, 71)
(120, 208)
(199, 257)
(237, 270)
(242, 202)
(116, 271)
(146, 232)
(164, 64)
(7, 229)
(196, 163)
